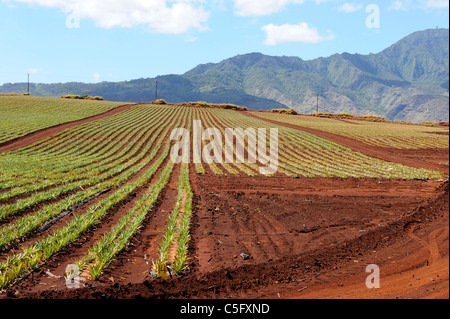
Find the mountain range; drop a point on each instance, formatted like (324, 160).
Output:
(408, 81)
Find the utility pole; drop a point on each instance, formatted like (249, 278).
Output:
(156, 91)
(318, 102)
(28, 88)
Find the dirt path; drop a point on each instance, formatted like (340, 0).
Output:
(422, 158)
(39, 135)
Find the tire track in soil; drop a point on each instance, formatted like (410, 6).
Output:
(261, 237)
(430, 244)
(413, 266)
(406, 271)
(248, 215)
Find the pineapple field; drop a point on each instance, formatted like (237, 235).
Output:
(96, 199)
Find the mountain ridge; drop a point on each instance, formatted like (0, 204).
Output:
(407, 81)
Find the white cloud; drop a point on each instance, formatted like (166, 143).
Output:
(261, 7)
(401, 5)
(397, 6)
(190, 39)
(162, 16)
(437, 4)
(293, 33)
(404, 5)
(350, 7)
(33, 71)
(97, 77)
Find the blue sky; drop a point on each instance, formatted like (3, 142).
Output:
(116, 40)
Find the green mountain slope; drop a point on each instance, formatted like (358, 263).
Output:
(408, 81)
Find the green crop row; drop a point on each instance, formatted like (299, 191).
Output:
(32, 256)
(307, 155)
(42, 112)
(114, 169)
(93, 173)
(390, 135)
(44, 170)
(26, 224)
(106, 249)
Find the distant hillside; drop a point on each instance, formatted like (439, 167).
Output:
(408, 81)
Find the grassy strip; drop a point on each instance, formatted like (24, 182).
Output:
(178, 222)
(206, 118)
(103, 252)
(390, 134)
(171, 228)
